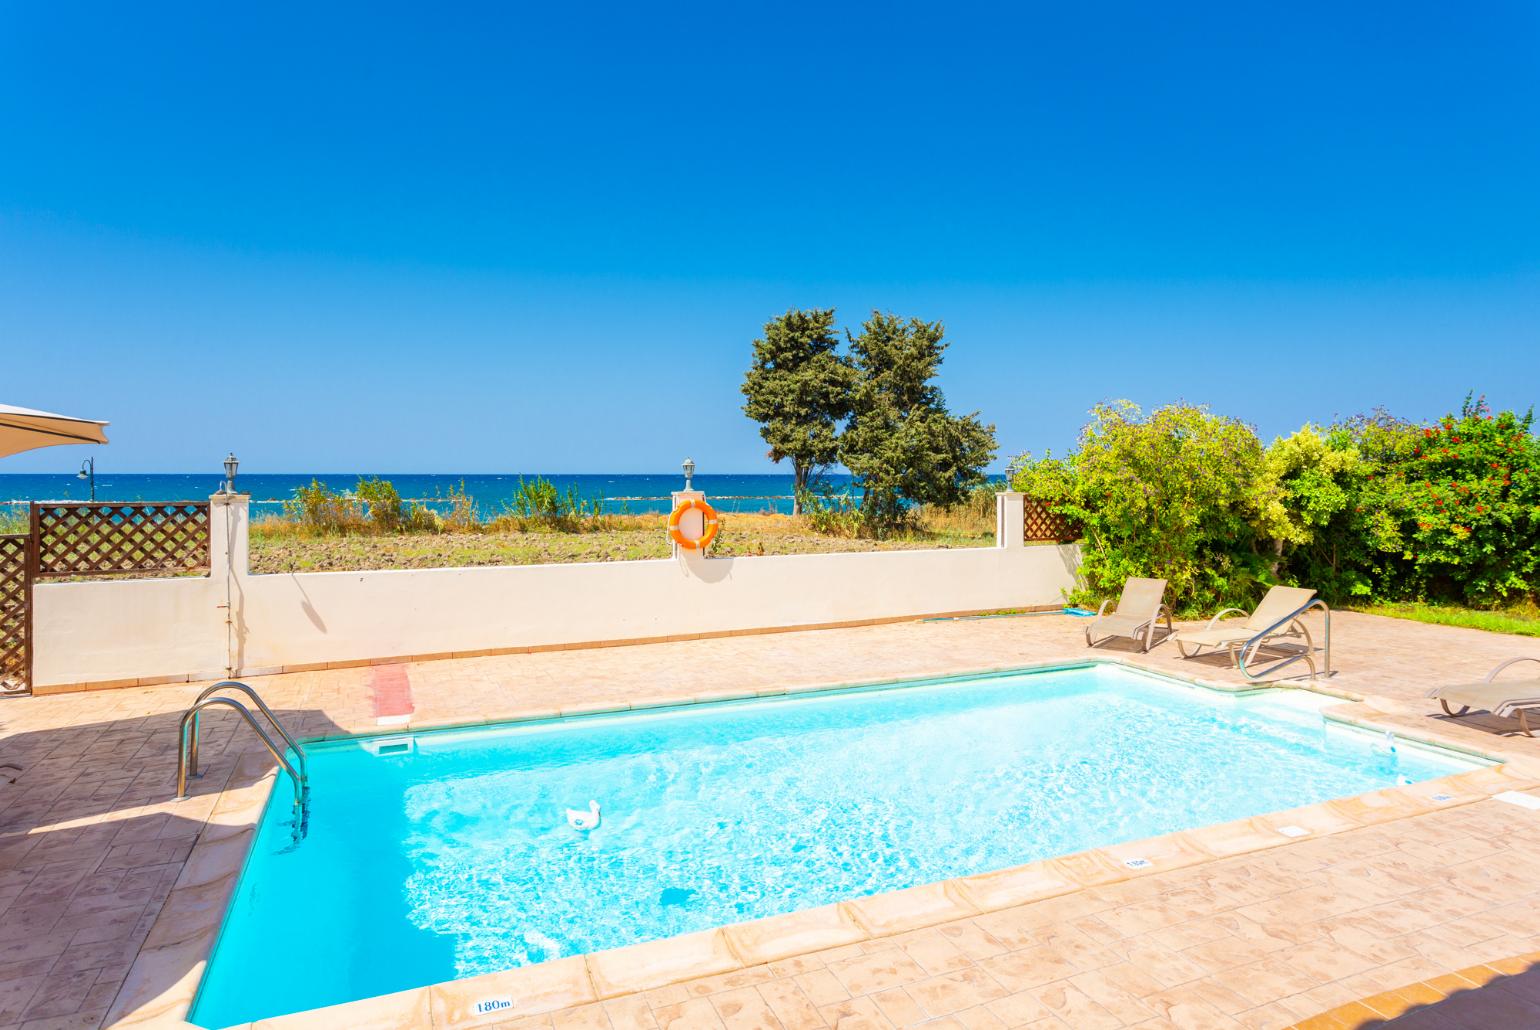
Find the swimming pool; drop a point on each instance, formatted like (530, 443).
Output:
(447, 854)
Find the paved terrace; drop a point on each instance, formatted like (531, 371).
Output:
(1392, 899)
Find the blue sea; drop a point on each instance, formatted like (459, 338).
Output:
(619, 492)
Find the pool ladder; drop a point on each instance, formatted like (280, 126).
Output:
(187, 746)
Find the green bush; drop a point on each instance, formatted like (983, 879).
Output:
(1373, 508)
(540, 504)
(1467, 504)
(1164, 495)
(321, 509)
(382, 503)
(832, 514)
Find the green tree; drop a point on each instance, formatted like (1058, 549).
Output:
(798, 390)
(902, 445)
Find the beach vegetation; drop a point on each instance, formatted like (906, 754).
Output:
(382, 504)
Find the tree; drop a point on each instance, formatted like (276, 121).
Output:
(798, 390)
(902, 445)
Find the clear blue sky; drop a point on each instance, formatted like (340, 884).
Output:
(540, 237)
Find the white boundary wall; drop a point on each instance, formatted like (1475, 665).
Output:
(112, 632)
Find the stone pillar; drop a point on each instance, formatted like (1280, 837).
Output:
(1010, 519)
(229, 532)
(692, 525)
(229, 564)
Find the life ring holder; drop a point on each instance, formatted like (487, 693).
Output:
(708, 513)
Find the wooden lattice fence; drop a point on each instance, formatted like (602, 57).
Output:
(106, 539)
(1041, 524)
(15, 615)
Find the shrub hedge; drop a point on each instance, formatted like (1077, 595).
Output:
(1373, 508)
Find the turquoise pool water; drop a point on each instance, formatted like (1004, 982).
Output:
(448, 854)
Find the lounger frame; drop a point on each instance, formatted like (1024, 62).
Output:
(1290, 625)
(1148, 628)
(1502, 710)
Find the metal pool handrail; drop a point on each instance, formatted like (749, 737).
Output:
(187, 734)
(1256, 642)
(277, 725)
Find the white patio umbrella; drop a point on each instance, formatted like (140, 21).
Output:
(22, 429)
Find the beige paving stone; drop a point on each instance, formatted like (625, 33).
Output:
(855, 1014)
(744, 1008)
(952, 992)
(876, 971)
(821, 987)
(792, 1004)
(695, 1014)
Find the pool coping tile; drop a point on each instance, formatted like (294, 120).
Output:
(795, 933)
(511, 993)
(653, 964)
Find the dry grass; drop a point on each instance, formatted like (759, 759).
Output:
(281, 546)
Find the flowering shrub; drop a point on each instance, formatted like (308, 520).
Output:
(1371, 508)
(1160, 495)
(1467, 504)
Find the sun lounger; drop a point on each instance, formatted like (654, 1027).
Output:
(1276, 624)
(1505, 699)
(1140, 606)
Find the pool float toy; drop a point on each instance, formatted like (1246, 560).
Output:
(581, 820)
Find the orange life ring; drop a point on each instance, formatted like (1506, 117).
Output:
(711, 525)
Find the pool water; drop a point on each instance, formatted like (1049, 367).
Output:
(448, 854)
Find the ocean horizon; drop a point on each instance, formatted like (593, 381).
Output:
(619, 492)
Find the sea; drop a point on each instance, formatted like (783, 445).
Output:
(619, 492)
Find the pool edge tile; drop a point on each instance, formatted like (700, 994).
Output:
(528, 991)
(402, 1010)
(1018, 885)
(894, 912)
(796, 933)
(643, 967)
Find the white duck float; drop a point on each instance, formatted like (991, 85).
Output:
(581, 820)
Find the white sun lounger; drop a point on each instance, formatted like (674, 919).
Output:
(1276, 620)
(1504, 700)
(1140, 606)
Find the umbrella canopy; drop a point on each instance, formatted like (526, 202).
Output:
(22, 429)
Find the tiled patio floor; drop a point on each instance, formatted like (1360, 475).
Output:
(91, 846)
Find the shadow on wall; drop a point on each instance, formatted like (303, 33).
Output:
(92, 843)
(1491, 997)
